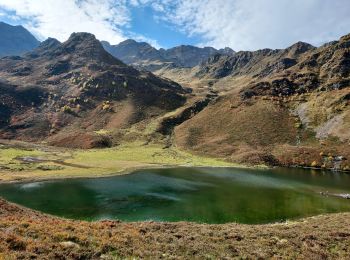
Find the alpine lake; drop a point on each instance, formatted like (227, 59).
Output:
(203, 195)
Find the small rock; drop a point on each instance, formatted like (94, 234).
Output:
(282, 242)
(69, 244)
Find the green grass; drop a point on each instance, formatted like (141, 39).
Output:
(137, 152)
(12, 168)
(96, 162)
(102, 132)
(7, 155)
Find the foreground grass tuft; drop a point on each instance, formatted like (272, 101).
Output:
(28, 234)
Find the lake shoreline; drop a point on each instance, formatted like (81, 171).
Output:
(51, 163)
(154, 166)
(125, 172)
(83, 164)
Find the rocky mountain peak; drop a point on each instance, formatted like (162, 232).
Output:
(299, 48)
(82, 40)
(84, 47)
(45, 48)
(11, 28)
(131, 51)
(49, 43)
(15, 40)
(345, 41)
(227, 51)
(128, 41)
(131, 42)
(345, 38)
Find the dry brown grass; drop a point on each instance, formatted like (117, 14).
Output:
(270, 130)
(26, 234)
(255, 125)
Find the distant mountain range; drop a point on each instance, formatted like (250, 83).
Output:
(143, 55)
(15, 40)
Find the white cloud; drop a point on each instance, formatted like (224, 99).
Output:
(58, 19)
(254, 24)
(141, 38)
(240, 24)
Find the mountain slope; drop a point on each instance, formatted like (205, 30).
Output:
(15, 40)
(288, 107)
(79, 89)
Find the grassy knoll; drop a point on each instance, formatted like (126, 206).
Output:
(39, 162)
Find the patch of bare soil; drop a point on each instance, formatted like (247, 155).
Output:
(26, 234)
(81, 140)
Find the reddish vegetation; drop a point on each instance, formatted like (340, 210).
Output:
(26, 234)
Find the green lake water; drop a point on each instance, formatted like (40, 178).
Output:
(209, 195)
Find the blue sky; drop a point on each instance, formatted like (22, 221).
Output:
(239, 24)
(143, 22)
